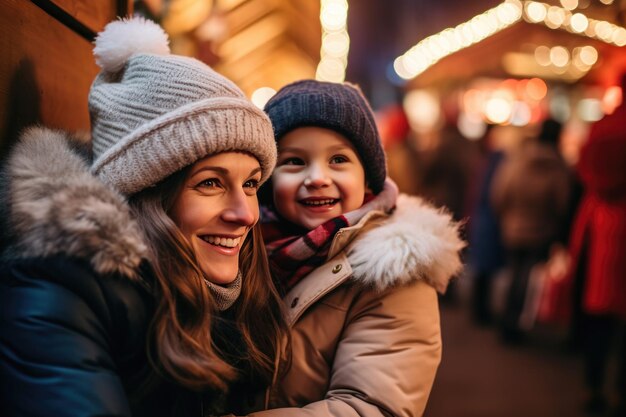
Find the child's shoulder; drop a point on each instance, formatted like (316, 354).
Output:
(417, 241)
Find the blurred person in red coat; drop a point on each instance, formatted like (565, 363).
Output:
(598, 248)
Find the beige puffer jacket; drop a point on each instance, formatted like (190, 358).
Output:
(365, 326)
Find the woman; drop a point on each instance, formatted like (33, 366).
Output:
(137, 284)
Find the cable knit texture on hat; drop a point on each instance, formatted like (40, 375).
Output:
(158, 113)
(339, 107)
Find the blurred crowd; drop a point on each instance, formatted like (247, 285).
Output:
(547, 235)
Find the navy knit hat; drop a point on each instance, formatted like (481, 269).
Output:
(338, 107)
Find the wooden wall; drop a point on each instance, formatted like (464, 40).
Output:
(46, 62)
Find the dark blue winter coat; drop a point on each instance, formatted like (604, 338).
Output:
(75, 295)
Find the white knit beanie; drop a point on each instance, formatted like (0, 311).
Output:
(153, 113)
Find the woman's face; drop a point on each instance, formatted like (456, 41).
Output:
(216, 208)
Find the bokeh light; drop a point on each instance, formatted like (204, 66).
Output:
(422, 109)
(498, 110)
(536, 89)
(261, 96)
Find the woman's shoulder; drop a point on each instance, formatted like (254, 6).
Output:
(67, 291)
(66, 328)
(70, 247)
(416, 242)
(51, 205)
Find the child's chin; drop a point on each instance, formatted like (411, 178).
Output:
(313, 223)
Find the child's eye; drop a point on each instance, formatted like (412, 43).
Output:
(292, 161)
(338, 159)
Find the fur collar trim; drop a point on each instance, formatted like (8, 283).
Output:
(417, 241)
(55, 206)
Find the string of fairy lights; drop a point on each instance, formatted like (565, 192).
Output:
(432, 49)
(335, 41)
(427, 52)
(334, 50)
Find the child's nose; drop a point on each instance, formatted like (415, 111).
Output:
(316, 177)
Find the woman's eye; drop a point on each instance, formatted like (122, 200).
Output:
(338, 159)
(209, 183)
(251, 184)
(292, 161)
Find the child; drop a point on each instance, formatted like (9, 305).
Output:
(359, 266)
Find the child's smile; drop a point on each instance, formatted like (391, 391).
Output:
(319, 202)
(319, 176)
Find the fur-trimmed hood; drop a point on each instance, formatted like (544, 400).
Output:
(52, 205)
(417, 241)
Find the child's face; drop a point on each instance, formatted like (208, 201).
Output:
(318, 176)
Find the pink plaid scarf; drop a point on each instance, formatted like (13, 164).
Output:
(294, 252)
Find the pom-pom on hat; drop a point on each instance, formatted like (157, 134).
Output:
(339, 107)
(153, 113)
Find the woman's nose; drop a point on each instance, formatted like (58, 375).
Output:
(241, 209)
(316, 177)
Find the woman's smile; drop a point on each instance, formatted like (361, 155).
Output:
(224, 245)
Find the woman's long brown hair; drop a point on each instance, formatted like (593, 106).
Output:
(181, 338)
